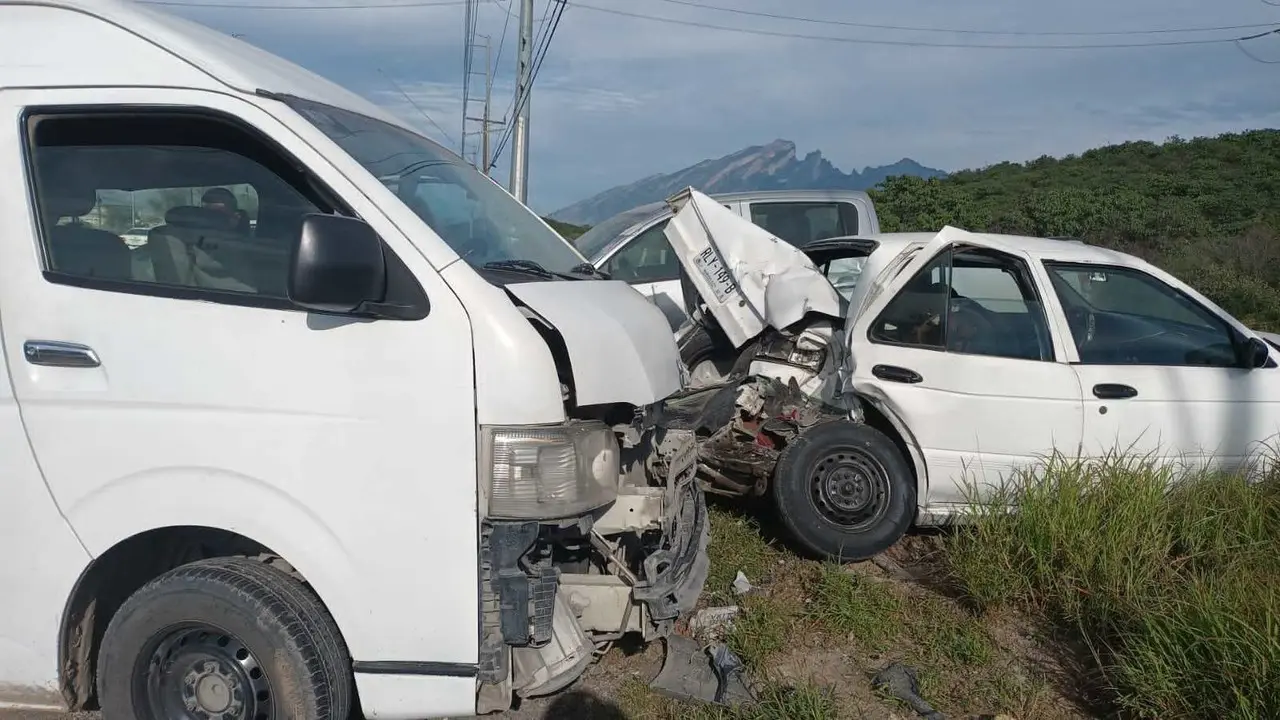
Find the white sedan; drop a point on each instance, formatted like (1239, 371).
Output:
(955, 358)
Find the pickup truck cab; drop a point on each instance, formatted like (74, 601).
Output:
(631, 246)
(318, 443)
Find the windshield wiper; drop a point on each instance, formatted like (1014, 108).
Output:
(528, 267)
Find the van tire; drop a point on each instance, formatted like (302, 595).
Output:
(218, 611)
(844, 491)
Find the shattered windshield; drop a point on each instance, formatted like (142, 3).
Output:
(478, 219)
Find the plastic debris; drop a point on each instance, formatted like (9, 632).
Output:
(901, 682)
(741, 585)
(713, 620)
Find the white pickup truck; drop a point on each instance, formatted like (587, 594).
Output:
(631, 246)
(350, 453)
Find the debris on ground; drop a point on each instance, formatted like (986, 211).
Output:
(901, 682)
(741, 585)
(712, 622)
(692, 673)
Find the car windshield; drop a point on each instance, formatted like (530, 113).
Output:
(596, 240)
(478, 219)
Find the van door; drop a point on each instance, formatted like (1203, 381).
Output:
(195, 393)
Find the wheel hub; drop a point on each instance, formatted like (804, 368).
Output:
(203, 674)
(850, 488)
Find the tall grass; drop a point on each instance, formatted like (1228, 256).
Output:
(1171, 578)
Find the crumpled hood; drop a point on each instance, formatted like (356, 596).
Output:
(747, 278)
(620, 344)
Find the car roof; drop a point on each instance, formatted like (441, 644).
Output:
(121, 43)
(1044, 249)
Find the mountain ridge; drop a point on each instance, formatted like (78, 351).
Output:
(772, 166)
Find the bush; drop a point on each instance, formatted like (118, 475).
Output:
(1173, 580)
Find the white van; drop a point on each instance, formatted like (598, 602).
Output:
(317, 438)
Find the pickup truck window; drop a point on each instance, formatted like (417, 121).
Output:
(647, 258)
(800, 223)
(476, 217)
(221, 207)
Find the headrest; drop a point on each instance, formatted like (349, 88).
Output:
(190, 216)
(70, 196)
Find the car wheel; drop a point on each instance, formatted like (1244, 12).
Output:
(224, 639)
(844, 491)
(709, 362)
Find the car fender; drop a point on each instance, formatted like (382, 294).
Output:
(247, 506)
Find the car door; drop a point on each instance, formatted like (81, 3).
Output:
(1163, 370)
(958, 349)
(649, 264)
(339, 443)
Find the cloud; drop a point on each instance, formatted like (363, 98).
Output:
(620, 98)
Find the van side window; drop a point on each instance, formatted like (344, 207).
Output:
(800, 223)
(165, 199)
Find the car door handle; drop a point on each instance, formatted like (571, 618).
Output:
(1113, 391)
(60, 354)
(893, 373)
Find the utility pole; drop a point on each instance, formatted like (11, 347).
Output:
(520, 136)
(487, 125)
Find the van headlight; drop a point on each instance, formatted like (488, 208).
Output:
(548, 472)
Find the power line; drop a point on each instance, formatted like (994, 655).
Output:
(349, 6)
(900, 43)
(540, 54)
(418, 107)
(960, 31)
(539, 45)
(1247, 53)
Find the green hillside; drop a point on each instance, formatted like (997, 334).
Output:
(1207, 210)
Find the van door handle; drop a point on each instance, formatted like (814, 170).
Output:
(1113, 391)
(60, 354)
(893, 373)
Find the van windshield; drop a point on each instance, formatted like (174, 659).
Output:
(478, 219)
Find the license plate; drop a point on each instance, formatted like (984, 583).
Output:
(722, 285)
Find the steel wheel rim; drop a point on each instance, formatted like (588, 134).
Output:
(200, 672)
(850, 488)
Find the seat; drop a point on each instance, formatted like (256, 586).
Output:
(76, 248)
(195, 248)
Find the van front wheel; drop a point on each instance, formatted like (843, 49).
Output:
(844, 491)
(225, 638)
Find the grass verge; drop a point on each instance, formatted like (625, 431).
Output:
(1172, 580)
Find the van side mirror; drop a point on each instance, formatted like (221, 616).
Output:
(337, 265)
(1256, 353)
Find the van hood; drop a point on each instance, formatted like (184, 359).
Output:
(747, 278)
(619, 344)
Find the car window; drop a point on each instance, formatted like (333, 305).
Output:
(1124, 316)
(972, 301)
(800, 223)
(196, 183)
(844, 274)
(649, 257)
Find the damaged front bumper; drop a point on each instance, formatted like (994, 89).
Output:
(553, 592)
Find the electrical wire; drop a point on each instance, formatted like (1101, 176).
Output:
(1240, 45)
(959, 31)
(418, 107)
(900, 43)
(560, 6)
(347, 6)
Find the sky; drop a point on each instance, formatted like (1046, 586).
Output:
(619, 98)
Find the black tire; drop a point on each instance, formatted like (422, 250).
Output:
(844, 491)
(700, 346)
(243, 629)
